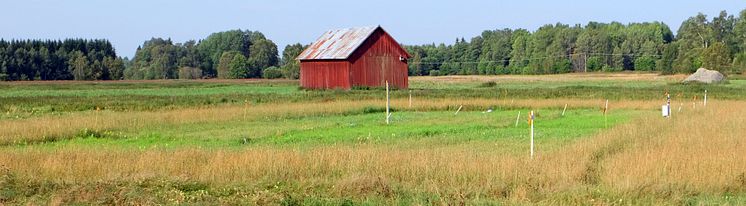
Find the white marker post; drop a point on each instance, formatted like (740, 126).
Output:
(668, 104)
(410, 98)
(531, 123)
(606, 109)
(705, 103)
(563, 110)
(459, 109)
(388, 103)
(517, 118)
(694, 102)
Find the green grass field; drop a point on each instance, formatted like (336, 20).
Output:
(271, 143)
(432, 128)
(28, 99)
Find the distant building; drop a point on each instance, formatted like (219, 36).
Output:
(346, 58)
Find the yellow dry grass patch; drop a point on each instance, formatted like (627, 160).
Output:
(703, 151)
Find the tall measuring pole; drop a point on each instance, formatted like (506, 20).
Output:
(388, 103)
(531, 123)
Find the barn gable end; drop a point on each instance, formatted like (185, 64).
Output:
(379, 59)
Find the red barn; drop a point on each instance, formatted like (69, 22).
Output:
(346, 58)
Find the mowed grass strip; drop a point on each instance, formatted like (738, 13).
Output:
(416, 129)
(54, 128)
(409, 129)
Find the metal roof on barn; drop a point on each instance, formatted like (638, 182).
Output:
(337, 44)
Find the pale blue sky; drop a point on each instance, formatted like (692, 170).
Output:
(128, 23)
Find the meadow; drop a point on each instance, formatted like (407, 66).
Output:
(260, 142)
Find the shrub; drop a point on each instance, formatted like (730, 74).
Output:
(503, 70)
(434, 73)
(644, 64)
(594, 64)
(488, 84)
(562, 66)
(272, 73)
(291, 71)
(515, 70)
(372, 109)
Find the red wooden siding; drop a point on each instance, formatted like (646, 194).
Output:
(377, 61)
(325, 74)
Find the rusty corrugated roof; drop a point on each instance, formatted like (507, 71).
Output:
(337, 44)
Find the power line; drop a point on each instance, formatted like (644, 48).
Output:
(536, 58)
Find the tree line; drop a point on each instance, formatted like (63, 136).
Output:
(718, 43)
(231, 54)
(71, 59)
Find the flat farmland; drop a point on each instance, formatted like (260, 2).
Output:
(261, 142)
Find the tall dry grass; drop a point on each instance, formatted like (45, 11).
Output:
(700, 151)
(696, 152)
(457, 173)
(51, 128)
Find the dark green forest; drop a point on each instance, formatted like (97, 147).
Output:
(715, 43)
(76, 59)
(230, 54)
